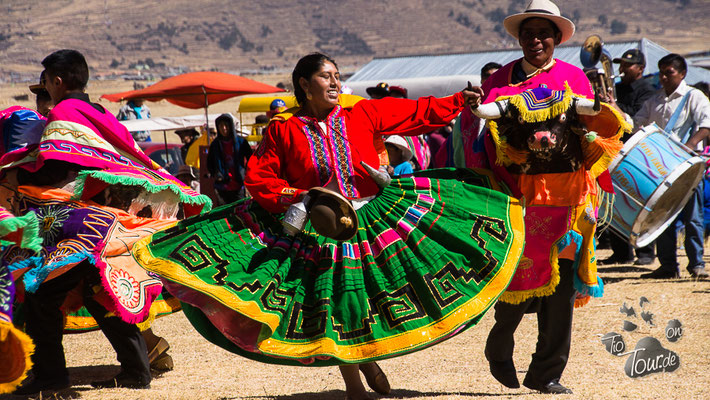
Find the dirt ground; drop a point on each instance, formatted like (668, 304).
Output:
(455, 369)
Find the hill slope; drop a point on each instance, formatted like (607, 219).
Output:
(268, 35)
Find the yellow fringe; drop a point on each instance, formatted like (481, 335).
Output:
(543, 114)
(519, 296)
(146, 324)
(500, 145)
(12, 337)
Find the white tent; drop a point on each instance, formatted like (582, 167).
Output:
(438, 86)
(168, 123)
(436, 69)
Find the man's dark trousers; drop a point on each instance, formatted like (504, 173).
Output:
(45, 325)
(554, 316)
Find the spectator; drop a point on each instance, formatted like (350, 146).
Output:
(488, 70)
(631, 93)
(43, 101)
(437, 142)
(187, 176)
(135, 109)
(684, 112)
(276, 107)
(399, 155)
(703, 87)
(227, 160)
(260, 123)
(398, 92)
(380, 91)
(187, 138)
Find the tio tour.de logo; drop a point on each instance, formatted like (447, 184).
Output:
(649, 356)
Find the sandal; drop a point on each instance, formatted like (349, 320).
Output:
(163, 363)
(159, 350)
(378, 382)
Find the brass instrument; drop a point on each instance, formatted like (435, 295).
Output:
(591, 53)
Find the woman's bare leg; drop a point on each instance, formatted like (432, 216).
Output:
(354, 389)
(376, 378)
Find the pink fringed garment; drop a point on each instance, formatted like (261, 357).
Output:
(79, 134)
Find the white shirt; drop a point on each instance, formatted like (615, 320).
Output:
(659, 109)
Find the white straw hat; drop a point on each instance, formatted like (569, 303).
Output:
(401, 143)
(540, 9)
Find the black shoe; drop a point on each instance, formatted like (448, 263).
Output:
(123, 380)
(698, 273)
(614, 260)
(661, 273)
(644, 261)
(36, 386)
(552, 387)
(504, 372)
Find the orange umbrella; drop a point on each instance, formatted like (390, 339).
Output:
(196, 89)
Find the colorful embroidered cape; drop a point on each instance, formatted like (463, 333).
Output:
(75, 231)
(295, 155)
(560, 218)
(78, 133)
(15, 346)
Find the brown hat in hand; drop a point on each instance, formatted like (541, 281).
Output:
(331, 214)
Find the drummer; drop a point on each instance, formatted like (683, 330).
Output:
(684, 112)
(631, 92)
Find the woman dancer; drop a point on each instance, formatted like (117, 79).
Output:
(420, 260)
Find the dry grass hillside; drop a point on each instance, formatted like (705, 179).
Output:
(269, 35)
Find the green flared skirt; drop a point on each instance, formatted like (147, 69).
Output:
(431, 255)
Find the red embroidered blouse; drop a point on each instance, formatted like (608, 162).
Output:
(296, 155)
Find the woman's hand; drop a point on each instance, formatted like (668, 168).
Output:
(472, 95)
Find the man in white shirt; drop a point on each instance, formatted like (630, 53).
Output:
(691, 127)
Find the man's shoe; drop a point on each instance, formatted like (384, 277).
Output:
(698, 273)
(644, 261)
(504, 372)
(123, 380)
(36, 386)
(614, 260)
(163, 363)
(661, 273)
(552, 387)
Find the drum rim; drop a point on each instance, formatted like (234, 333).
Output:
(639, 240)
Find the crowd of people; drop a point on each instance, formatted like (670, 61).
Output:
(356, 230)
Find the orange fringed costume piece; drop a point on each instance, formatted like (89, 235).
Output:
(561, 207)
